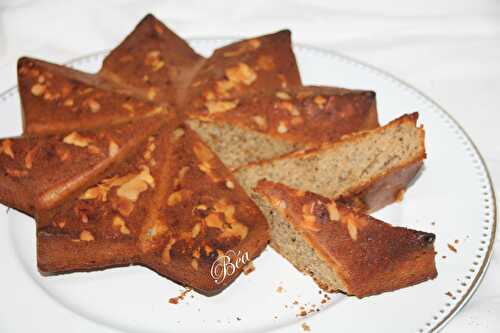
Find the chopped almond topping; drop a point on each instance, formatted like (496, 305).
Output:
(220, 106)
(76, 139)
(38, 89)
(177, 197)
(320, 101)
(283, 95)
(223, 87)
(194, 264)
(282, 127)
(333, 211)
(86, 236)
(69, 102)
(152, 93)
(214, 221)
(135, 186)
(6, 148)
(260, 121)
(113, 148)
(118, 222)
(242, 73)
(235, 230)
(196, 230)
(127, 106)
(353, 230)
(94, 106)
(229, 184)
(177, 134)
(265, 62)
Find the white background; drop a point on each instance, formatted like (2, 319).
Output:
(448, 49)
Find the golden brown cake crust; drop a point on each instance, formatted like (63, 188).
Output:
(172, 207)
(153, 61)
(368, 255)
(310, 115)
(56, 98)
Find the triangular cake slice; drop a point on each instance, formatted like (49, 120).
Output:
(343, 249)
(270, 124)
(242, 68)
(41, 172)
(367, 169)
(173, 207)
(153, 61)
(57, 98)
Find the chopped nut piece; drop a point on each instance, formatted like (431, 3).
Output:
(202, 152)
(320, 101)
(166, 251)
(86, 236)
(265, 62)
(194, 264)
(6, 148)
(242, 73)
(94, 106)
(333, 211)
(214, 221)
(352, 229)
(260, 121)
(135, 186)
(196, 230)
(69, 102)
(38, 89)
(118, 222)
(113, 148)
(283, 95)
(127, 106)
(177, 197)
(75, 139)
(220, 106)
(229, 184)
(282, 127)
(151, 94)
(177, 134)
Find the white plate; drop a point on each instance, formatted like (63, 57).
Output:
(452, 198)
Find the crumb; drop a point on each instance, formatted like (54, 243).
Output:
(444, 257)
(456, 241)
(295, 302)
(280, 289)
(306, 327)
(433, 223)
(286, 306)
(449, 294)
(238, 318)
(175, 300)
(275, 317)
(452, 248)
(302, 314)
(249, 268)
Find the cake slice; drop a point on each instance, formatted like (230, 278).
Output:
(173, 207)
(153, 61)
(56, 98)
(368, 169)
(343, 249)
(41, 172)
(270, 124)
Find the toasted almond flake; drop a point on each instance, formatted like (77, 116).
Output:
(76, 139)
(220, 106)
(6, 148)
(94, 106)
(214, 221)
(86, 236)
(260, 121)
(128, 106)
(194, 264)
(283, 95)
(69, 102)
(158, 65)
(119, 222)
(28, 159)
(236, 229)
(196, 230)
(223, 87)
(38, 89)
(61, 224)
(282, 127)
(400, 195)
(242, 73)
(202, 152)
(265, 62)
(320, 101)
(113, 148)
(333, 212)
(175, 198)
(352, 229)
(135, 186)
(177, 134)
(229, 184)
(151, 95)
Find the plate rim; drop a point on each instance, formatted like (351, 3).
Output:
(481, 271)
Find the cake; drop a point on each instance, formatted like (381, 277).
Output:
(172, 207)
(368, 169)
(40, 172)
(270, 124)
(56, 98)
(342, 248)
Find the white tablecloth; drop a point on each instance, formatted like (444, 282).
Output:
(449, 49)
